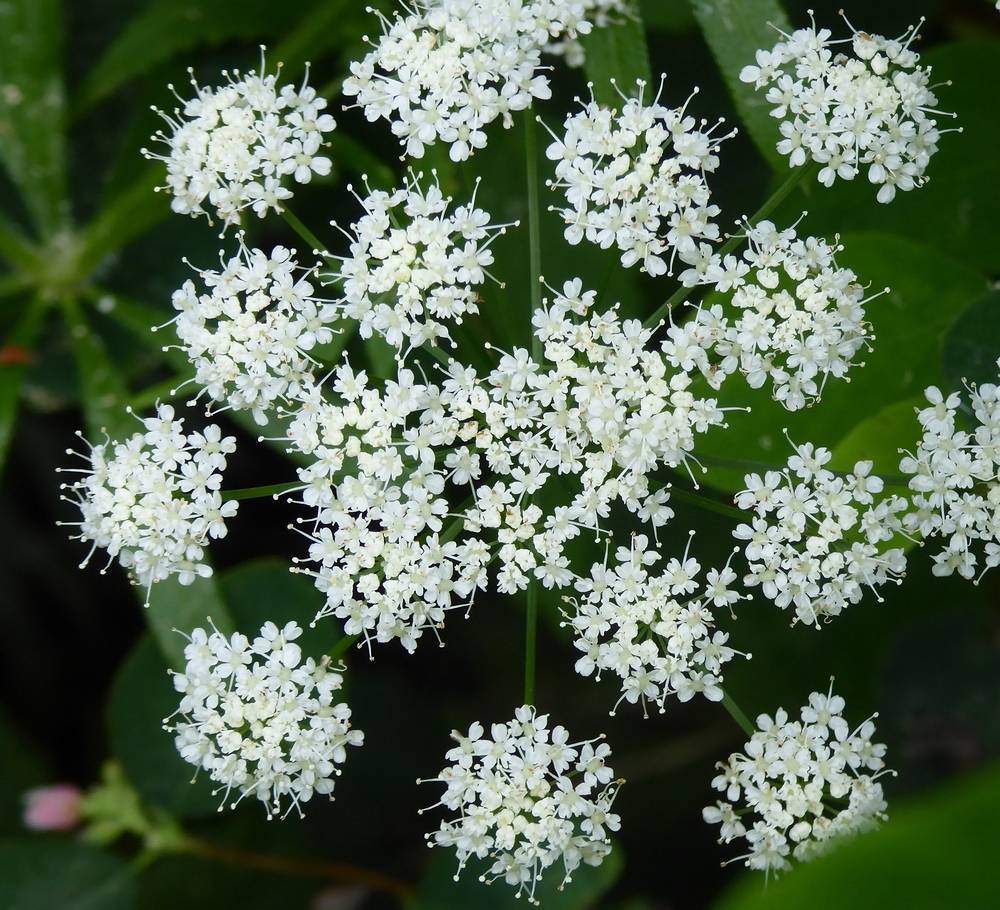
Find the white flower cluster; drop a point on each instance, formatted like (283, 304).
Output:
(807, 784)
(634, 179)
(871, 109)
(817, 539)
(527, 799)
(249, 327)
(799, 317)
(955, 481)
(449, 68)
(153, 500)
(230, 148)
(599, 13)
(656, 632)
(414, 266)
(260, 719)
(379, 549)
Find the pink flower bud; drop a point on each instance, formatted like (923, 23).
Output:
(53, 808)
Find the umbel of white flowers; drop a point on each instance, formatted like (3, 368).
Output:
(153, 500)
(260, 719)
(231, 148)
(868, 111)
(803, 785)
(527, 799)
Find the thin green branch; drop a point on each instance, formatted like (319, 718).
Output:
(308, 236)
(707, 503)
(737, 714)
(343, 646)
(260, 492)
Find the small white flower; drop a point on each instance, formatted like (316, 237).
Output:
(955, 481)
(868, 111)
(152, 501)
(415, 264)
(231, 148)
(634, 179)
(259, 719)
(806, 785)
(818, 539)
(526, 799)
(249, 327)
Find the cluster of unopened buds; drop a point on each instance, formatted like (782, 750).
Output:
(420, 486)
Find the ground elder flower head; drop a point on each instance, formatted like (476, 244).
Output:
(955, 481)
(800, 787)
(856, 105)
(653, 625)
(236, 146)
(248, 328)
(447, 69)
(260, 719)
(817, 539)
(634, 179)
(153, 501)
(415, 264)
(527, 799)
(793, 316)
(382, 542)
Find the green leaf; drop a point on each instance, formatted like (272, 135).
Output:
(972, 346)
(674, 16)
(617, 52)
(963, 193)
(169, 27)
(23, 770)
(735, 30)
(175, 606)
(879, 438)
(105, 392)
(22, 338)
(929, 291)
(41, 873)
(32, 117)
(14, 246)
(439, 891)
(933, 853)
(130, 214)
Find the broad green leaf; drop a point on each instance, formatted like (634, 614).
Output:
(32, 119)
(618, 52)
(43, 873)
(19, 344)
(735, 30)
(105, 392)
(935, 852)
(972, 347)
(168, 27)
(956, 212)
(439, 891)
(173, 607)
(141, 697)
(929, 291)
(669, 15)
(879, 438)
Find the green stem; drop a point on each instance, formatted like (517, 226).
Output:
(530, 642)
(308, 236)
(161, 392)
(779, 196)
(707, 503)
(260, 492)
(535, 277)
(343, 646)
(534, 226)
(737, 714)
